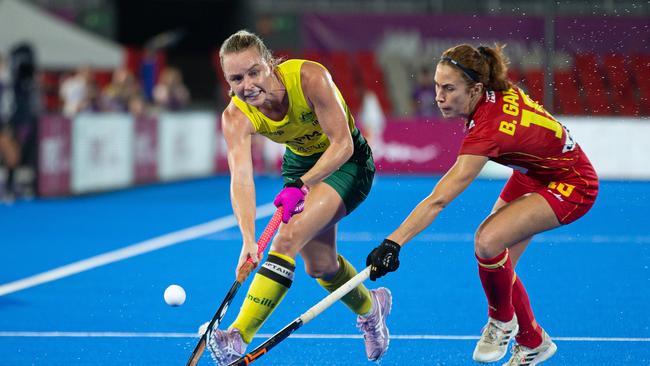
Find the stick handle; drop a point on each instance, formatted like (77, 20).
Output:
(262, 243)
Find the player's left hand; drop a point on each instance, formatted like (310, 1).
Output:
(292, 199)
(383, 259)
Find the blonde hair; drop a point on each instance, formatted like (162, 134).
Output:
(243, 40)
(486, 65)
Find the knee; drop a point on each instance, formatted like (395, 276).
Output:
(486, 243)
(289, 240)
(321, 269)
(314, 271)
(283, 243)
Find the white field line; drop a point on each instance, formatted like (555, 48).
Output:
(297, 336)
(366, 236)
(130, 251)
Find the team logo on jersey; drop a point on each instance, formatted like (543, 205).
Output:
(307, 117)
(490, 96)
(557, 195)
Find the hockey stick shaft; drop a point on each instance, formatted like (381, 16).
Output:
(244, 272)
(303, 319)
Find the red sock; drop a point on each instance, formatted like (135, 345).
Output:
(496, 276)
(530, 333)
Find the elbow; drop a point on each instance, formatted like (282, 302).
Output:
(345, 149)
(348, 150)
(437, 204)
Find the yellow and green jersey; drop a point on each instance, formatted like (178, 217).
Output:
(299, 130)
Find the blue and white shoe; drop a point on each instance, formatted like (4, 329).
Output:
(373, 326)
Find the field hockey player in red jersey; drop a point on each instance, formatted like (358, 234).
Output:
(552, 184)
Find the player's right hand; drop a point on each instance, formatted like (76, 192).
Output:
(383, 259)
(248, 250)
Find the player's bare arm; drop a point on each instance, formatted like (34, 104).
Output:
(320, 92)
(238, 131)
(461, 174)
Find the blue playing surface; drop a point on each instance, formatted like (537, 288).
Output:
(589, 282)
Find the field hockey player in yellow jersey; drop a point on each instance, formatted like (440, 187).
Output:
(327, 167)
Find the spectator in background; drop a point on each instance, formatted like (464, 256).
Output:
(25, 111)
(4, 86)
(92, 100)
(138, 106)
(116, 95)
(170, 93)
(77, 92)
(148, 70)
(424, 94)
(9, 149)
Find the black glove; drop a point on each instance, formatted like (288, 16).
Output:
(383, 259)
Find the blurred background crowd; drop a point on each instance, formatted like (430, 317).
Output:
(145, 58)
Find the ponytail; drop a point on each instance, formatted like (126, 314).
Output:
(497, 62)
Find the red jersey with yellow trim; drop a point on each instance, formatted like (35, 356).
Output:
(511, 129)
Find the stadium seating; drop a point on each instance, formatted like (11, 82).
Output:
(102, 78)
(515, 76)
(372, 78)
(221, 80)
(49, 81)
(318, 56)
(534, 84)
(592, 85)
(617, 86)
(640, 66)
(567, 97)
(621, 84)
(345, 73)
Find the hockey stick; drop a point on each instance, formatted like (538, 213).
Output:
(246, 270)
(303, 319)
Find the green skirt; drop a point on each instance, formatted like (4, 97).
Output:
(352, 181)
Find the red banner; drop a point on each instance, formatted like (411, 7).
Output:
(54, 155)
(146, 150)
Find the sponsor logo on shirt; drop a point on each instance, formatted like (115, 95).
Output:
(490, 96)
(306, 138)
(307, 117)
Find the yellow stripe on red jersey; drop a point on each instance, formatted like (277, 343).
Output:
(513, 130)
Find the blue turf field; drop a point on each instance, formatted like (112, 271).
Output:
(589, 282)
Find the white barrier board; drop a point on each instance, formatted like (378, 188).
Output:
(102, 152)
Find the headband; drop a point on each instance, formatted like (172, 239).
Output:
(469, 72)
